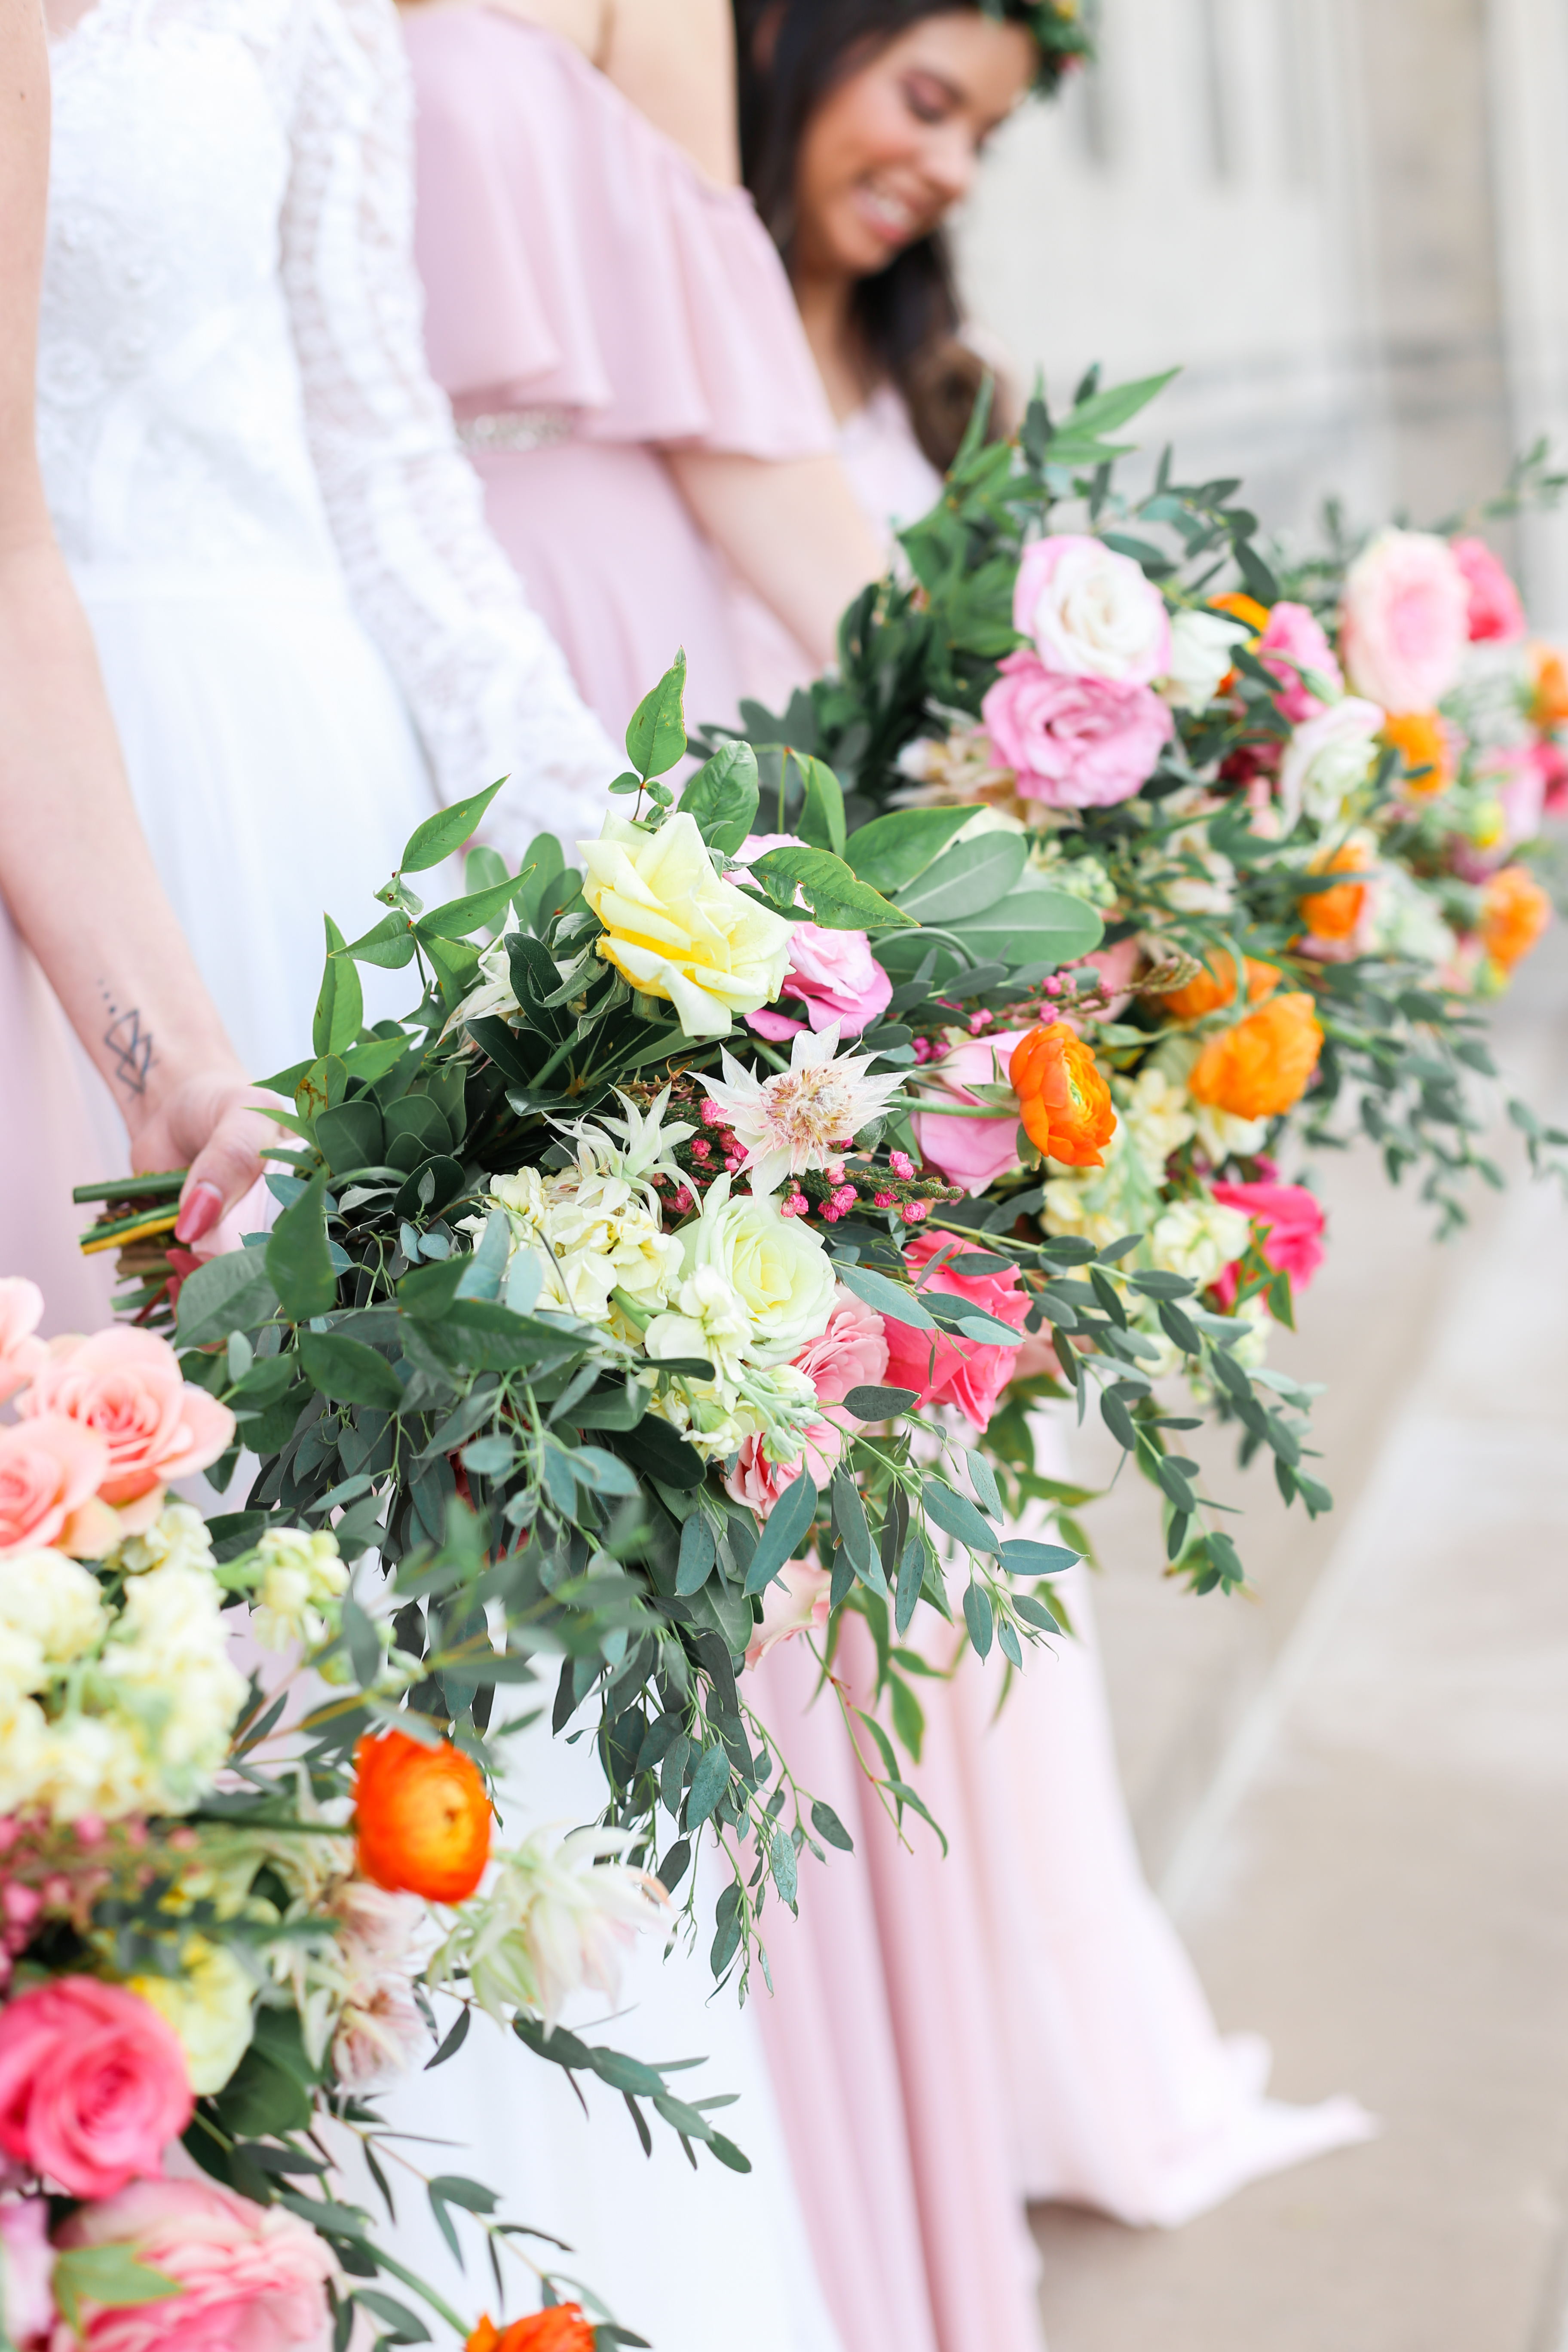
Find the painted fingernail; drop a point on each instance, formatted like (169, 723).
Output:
(199, 1212)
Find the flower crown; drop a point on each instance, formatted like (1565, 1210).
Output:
(1060, 29)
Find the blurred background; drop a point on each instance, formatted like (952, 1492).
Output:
(1347, 220)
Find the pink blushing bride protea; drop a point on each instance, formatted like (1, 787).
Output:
(803, 1117)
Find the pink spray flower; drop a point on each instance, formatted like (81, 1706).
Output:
(126, 1387)
(92, 2084)
(1290, 1223)
(944, 1368)
(1495, 614)
(251, 2278)
(1074, 742)
(1406, 620)
(1297, 634)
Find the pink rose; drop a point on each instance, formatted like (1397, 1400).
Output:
(1406, 620)
(252, 2278)
(1074, 742)
(851, 1354)
(971, 1152)
(92, 2084)
(1090, 612)
(1292, 1230)
(795, 1602)
(940, 1366)
(1518, 780)
(50, 1470)
(21, 1354)
(1296, 635)
(837, 978)
(125, 1386)
(1495, 614)
(28, 2305)
(1551, 764)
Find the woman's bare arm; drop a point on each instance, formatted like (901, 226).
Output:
(793, 531)
(74, 864)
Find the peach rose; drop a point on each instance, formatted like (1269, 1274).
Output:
(92, 2084)
(50, 1470)
(21, 1353)
(251, 2278)
(1405, 621)
(125, 1386)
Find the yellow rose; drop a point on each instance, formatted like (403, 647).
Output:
(675, 929)
(209, 2008)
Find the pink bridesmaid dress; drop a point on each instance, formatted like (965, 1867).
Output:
(591, 300)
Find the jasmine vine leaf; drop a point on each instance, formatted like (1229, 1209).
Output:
(339, 1008)
(722, 796)
(656, 739)
(838, 899)
(448, 830)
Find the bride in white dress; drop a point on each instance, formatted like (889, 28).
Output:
(308, 636)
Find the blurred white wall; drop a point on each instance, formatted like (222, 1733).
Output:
(1348, 219)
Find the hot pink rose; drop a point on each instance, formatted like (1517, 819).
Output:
(1551, 764)
(126, 1387)
(1297, 635)
(1291, 1223)
(851, 1354)
(21, 1354)
(1495, 614)
(92, 2084)
(941, 1367)
(1405, 621)
(971, 1152)
(28, 2305)
(1074, 742)
(1090, 612)
(50, 1470)
(252, 2278)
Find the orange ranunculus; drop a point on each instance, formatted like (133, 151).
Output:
(1066, 1103)
(422, 1817)
(561, 2328)
(1549, 699)
(1333, 914)
(1211, 990)
(1515, 911)
(1423, 739)
(1261, 1066)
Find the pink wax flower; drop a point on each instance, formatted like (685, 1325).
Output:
(836, 978)
(1074, 742)
(92, 2084)
(796, 1602)
(1090, 612)
(30, 2306)
(22, 1353)
(1406, 620)
(1292, 1230)
(851, 1354)
(50, 1470)
(1495, 614)
(125, 1386)
(1297, 634)
(971, 1152)
(940, 1366)
(251, 2278)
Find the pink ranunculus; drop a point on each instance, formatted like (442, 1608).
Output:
(795, 1603)
(50, 1470)
(92, 2084)
(944, 1368)
(1495, 614)
(851, 1354)
(125, 1386)
(1295, 637)
(252, 2278)
(28, 2306)
(1406, 620)
(22, 1353)
(836, 978)
(971, 1152)
(1074, 742)
(1090, 612)
(1291, 1220)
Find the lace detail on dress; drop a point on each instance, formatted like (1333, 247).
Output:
(490, 691)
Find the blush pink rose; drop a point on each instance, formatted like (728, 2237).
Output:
(794, 1602)
(851, 1354)
(30, 2306)
(125, 1386)
(22, 1353)
(50, 1470)
(92, 2084)
(971, 1152)
(944, 1368)
(836, 978)
(252, 2278)
(1090, 612)
(1297, 634)
(1496, 615)
(1074, 742)
(1406, 620)
(1290, 1220)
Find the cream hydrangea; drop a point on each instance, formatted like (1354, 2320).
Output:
(1220, 1135)
(166, 1668)
(51, 1604)
(677, 930)
(178, 1538)
(597, 1226)
(1198, 1237)
(299, 1588)
(1155, 1117)
(208, 2005)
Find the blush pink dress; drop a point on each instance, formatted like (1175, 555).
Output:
(593, 300)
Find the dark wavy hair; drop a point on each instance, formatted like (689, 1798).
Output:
(790, 53)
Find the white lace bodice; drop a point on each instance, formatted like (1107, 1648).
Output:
(233, 394)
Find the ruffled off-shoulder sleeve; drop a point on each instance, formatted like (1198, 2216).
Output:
(575, 259)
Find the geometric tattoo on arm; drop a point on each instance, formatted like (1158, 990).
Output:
(132, 1046)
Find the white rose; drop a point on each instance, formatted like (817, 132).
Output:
(1329, 757)
(1199, 1238)
(1091, 613)
(1203, 650)
(777, 1266)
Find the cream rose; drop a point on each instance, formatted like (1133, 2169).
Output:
(776, 1265)
(1328, 757)
(1203, 651)
(675, 929)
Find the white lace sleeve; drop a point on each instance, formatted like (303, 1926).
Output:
(488, 689)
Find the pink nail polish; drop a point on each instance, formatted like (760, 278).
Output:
(199, 1212)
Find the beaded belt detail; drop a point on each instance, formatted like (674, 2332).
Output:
(517, 428)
